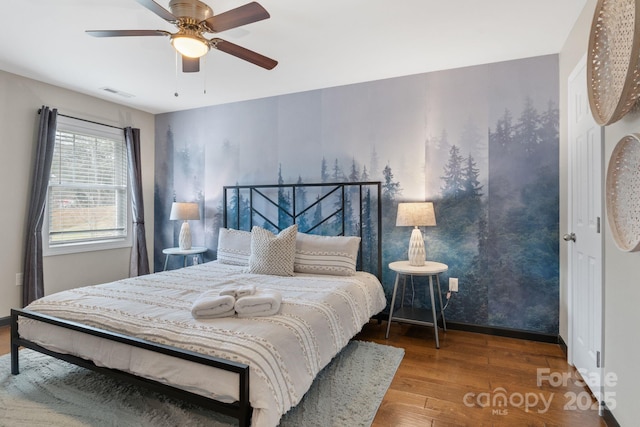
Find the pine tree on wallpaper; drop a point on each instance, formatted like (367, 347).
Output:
(395, 238)
(459, 215)
(317, 213)
(471, 174)
(302, 204)
(324, 175)
(336, 221)
(453, 178)
(369, 233)
(523, 227)
(337, 175)
(238, 211)
(285, 204)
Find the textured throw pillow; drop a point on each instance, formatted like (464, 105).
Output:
(234, 247)
(335, 255)
(271, 254)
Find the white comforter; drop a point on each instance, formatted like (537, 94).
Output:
(318, 316)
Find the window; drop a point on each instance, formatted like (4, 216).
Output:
(88, 200)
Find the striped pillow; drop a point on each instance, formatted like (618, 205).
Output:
(334, 255)
(234, 247)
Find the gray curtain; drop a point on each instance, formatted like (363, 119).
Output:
(139, 263)
(33, 284)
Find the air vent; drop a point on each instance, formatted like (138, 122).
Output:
(117, 92)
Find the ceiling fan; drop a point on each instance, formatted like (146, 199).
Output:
(193, 18)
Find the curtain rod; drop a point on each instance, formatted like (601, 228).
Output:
(85, 120)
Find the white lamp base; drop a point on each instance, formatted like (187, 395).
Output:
(185, 236)
(417, 254)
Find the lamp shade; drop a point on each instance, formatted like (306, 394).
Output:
(184, 211)
(416, 214)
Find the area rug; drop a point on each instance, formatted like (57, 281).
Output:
(50, 392)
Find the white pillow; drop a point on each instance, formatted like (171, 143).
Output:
(271, 254)
(234, 246)
(335, 255)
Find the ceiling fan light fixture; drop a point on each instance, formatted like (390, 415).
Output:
(190, 46)
(193, 19)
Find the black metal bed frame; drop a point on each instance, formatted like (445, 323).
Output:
(295, 212)
(241, 409)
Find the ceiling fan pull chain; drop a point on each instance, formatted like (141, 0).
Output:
(204, 69)
(176, 69)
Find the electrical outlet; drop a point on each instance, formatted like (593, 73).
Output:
(19, 279)
(453, 284)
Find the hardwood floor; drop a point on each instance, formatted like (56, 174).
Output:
(461, 383)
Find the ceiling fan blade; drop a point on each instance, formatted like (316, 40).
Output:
(251, 12)
(158, 10)
(243, 53)
(126, 33)
(190, 65)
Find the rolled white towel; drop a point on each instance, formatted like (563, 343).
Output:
(211, 304)
(263, 303)
(238, 291)
(229, 313)
(245, 291)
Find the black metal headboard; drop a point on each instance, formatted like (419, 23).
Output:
(330, 209)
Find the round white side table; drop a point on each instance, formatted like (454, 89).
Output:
(413, 315)
(195, 250)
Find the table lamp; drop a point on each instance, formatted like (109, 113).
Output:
(416, 214)
(185, 212)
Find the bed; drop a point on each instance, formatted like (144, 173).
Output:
(256, 368)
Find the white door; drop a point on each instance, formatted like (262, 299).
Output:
(584, 235)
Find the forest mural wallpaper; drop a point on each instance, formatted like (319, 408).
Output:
(480, 142)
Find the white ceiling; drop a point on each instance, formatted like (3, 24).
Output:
(317, 43)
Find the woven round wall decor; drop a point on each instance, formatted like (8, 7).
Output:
(623, 193)
(613, 67)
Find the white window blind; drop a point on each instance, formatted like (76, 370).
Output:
(88, 200)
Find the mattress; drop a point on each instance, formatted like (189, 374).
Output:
(318, 316)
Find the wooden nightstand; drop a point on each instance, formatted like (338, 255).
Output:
(413, 315)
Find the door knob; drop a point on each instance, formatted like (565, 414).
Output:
(571, 237)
